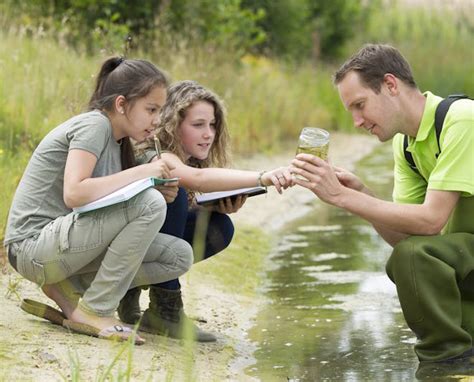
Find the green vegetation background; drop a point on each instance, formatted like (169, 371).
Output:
(271, 61)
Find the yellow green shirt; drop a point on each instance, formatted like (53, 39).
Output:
(452, 171)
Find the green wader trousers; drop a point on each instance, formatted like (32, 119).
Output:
(434, 276)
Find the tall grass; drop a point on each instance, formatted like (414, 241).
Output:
(43, 82)
(437, 38)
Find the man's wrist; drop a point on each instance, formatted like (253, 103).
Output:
(342, 199)
(367, 191)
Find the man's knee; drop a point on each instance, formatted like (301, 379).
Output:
(403, 255)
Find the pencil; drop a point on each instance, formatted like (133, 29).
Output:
(157, 147)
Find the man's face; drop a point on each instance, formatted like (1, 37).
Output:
(373, 112)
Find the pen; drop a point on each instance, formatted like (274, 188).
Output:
(157, 147)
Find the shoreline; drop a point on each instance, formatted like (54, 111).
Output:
(38, 351)
(270, 213)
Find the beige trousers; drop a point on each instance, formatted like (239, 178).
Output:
(111, 249)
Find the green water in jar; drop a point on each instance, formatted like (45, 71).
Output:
(319, 151)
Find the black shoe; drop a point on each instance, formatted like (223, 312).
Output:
(166, 316)
(129, 307)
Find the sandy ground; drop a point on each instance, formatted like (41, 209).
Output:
(31, 349)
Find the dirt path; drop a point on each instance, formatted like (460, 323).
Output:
(31, 349)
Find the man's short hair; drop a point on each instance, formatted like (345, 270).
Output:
(372, 62)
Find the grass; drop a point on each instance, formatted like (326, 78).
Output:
(13, 287)
(236, 270)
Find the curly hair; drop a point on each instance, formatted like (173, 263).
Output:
(181, 96)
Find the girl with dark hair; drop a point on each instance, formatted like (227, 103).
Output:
(194, 137)
(107, 251)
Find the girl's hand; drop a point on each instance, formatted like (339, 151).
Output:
(281, 178)
(319, 177)
(229, 205)
(169, 191)
(161, 168)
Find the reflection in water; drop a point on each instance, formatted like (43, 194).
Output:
(333, 314)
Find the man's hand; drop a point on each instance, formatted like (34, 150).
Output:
(348, 179)
(169, 191)
(319, 177)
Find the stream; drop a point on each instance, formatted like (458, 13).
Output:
(331, 313)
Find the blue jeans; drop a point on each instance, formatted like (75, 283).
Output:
(188, 224)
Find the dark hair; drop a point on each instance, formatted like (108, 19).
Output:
(372, 62)
(132, 79)
(181, 96)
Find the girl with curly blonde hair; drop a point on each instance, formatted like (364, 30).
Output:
(194, 140)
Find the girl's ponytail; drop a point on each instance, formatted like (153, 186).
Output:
(107, 67)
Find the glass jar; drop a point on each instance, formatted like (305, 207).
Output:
(315, 141)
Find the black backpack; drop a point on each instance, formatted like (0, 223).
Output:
(440, 114)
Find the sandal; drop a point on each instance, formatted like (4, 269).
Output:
(115, 332)
(45, 311)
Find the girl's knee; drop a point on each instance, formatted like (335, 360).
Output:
(185, 257)
(227, 230)
(153, 199)
(152, 204)
(223, 229)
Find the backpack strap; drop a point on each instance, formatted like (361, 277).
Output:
(408, 156)
(440, 115)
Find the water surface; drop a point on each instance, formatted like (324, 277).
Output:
(331, 313)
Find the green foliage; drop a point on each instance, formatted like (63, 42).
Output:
(435, 40)
(287, 26)
(119, 25)
(336, 21)
(302, 29)
(209, 22)
(293, 29)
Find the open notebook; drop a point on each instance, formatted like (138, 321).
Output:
(123, 194)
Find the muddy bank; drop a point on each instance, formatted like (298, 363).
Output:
(34, 350)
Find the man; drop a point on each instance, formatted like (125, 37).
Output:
(431, 221)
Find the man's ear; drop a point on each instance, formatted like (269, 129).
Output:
(391, 83)
(120, 104)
